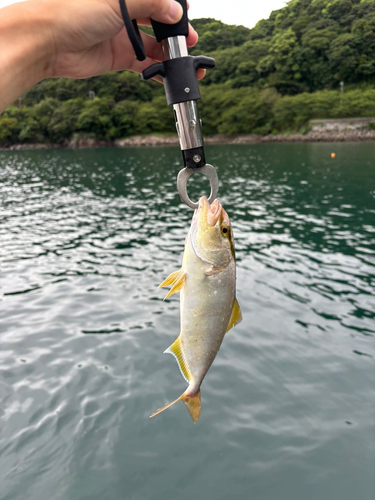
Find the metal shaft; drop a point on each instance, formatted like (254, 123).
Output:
(188, 124)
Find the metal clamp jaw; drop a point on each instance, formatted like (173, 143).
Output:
(178, 71)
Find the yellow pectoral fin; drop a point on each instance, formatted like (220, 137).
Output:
(176, 279)
(172, 278)
(178, 353)
(236, 316)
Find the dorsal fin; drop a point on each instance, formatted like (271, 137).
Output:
(178, 353)
(177, 279)
(236, 316)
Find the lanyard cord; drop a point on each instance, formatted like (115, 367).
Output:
(133, 32)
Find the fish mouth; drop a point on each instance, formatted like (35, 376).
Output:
(208, 214)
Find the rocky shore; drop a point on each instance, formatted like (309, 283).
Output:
(153, 140)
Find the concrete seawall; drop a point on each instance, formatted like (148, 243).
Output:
(346, 130)
(341, 124)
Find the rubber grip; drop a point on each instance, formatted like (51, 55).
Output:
(163, 31)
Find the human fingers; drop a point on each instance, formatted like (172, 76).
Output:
(192, 37)
(123, 56)
(201, 73)
(153, 48)
(146, 20)
(164, 11)
(123, 53)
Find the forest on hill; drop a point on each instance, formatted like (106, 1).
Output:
(272, 78)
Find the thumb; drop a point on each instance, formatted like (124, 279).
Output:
(164, 11)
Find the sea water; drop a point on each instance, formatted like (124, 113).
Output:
(86, 237)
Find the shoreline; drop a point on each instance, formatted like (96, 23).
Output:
(153, 140)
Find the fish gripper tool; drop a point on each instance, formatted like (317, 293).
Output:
(178, 72)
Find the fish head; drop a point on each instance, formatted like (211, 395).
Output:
(211, 234)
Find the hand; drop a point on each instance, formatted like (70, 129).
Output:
(75, 38)
(89, 37)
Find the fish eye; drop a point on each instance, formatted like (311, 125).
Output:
(225, 230)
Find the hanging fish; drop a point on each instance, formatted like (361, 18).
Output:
(208, 307)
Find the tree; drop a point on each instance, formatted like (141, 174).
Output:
(344, 57)
(96, 118)
(124, 118)
(251, 114)
(8, 129)
(63, 122)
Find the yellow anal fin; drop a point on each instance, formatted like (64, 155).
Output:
(236, 316)
(177, 279)
(178, 353)
(193, 404)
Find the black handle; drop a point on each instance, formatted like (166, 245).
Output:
(204, 62)
(163, 31)
(180, 77)
(153, 70)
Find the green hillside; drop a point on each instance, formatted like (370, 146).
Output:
(308, 45)
(271, 78)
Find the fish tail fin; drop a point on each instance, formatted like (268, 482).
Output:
(193, 404)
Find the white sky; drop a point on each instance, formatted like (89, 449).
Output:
(245, 12)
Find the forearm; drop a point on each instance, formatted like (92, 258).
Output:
(25, 49)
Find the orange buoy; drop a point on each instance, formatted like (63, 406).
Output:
(333, 155)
